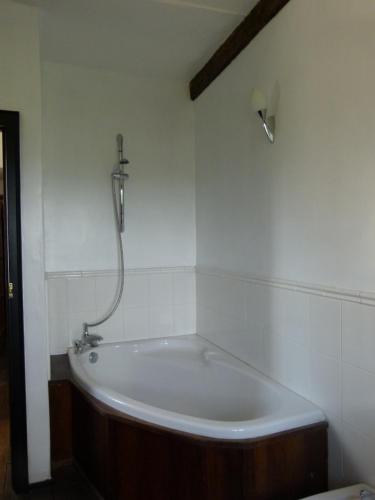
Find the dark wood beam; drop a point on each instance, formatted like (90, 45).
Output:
(259, 17)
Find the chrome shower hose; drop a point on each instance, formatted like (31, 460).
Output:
(120, 288)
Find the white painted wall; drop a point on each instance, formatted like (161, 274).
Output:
(20, 90)
(83, 110)
(303, 208)
(300, 210)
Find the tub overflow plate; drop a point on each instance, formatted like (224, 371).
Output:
(93, 357)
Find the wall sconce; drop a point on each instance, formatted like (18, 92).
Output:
(259, 104)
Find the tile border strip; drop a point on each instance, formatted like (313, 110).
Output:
(114, 272)
(358, 296)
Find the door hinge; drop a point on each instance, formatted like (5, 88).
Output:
(10, 290)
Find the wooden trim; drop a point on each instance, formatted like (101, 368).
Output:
(9, 124)
(60, 414)
(60, 368)
(127, 458)
(246, 31)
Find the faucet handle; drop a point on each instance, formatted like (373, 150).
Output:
(85, 330)
(95, 336)
(93, 339)
(78, 346)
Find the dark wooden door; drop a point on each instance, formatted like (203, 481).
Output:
(9, 125)
(2, 280)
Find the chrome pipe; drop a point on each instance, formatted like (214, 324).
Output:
(122, 207)
(118, 178)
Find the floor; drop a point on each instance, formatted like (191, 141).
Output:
(68, 484)
(4, 424)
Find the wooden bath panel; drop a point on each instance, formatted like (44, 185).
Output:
(127, 459)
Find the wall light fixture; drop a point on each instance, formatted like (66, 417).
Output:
(259, 104)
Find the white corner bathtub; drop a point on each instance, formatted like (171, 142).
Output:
(190, 385)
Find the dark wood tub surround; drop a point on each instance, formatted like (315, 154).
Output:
(60, 403)
(128, 459)
(60, 368)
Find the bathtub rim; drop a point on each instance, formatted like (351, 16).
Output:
(119, 416)
(271, 424)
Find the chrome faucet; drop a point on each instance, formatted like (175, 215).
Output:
(366, 495)
(87, 341)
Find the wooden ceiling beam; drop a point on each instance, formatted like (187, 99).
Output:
(246, 31)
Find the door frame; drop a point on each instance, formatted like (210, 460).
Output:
(9, 125)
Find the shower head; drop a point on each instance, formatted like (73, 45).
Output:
(120, 142)
(120, 148)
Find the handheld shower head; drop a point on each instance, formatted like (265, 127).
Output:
(120, 142)
(120, 150)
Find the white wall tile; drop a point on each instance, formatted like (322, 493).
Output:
(335, 454)
(57, 297)
(359, 399)
(184, 319)
(249, 346)
(358, 324)
(217, 329)
(137, 290)
(297, 376)
(295, 316)
(257, 307)
(358, 456)
(293, 337)
(58, 316)
(204, 290)
(60, 340)
(205, 320)
(184, 288)
(274, 311)
(75, 300)
(136, 323)
(276, 356)
(81, 294)
(233, 298)
(105, 293)
(300, 340)
(325, 373)
(161, 321)
(112, 330)
(325, 325)
(161, 289)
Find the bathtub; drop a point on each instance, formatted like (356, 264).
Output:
(190, 385)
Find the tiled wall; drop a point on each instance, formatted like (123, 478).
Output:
(156, 303)
(317, 341)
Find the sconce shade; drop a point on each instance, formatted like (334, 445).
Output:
(258, 100)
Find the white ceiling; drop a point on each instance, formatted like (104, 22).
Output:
(162, 38)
